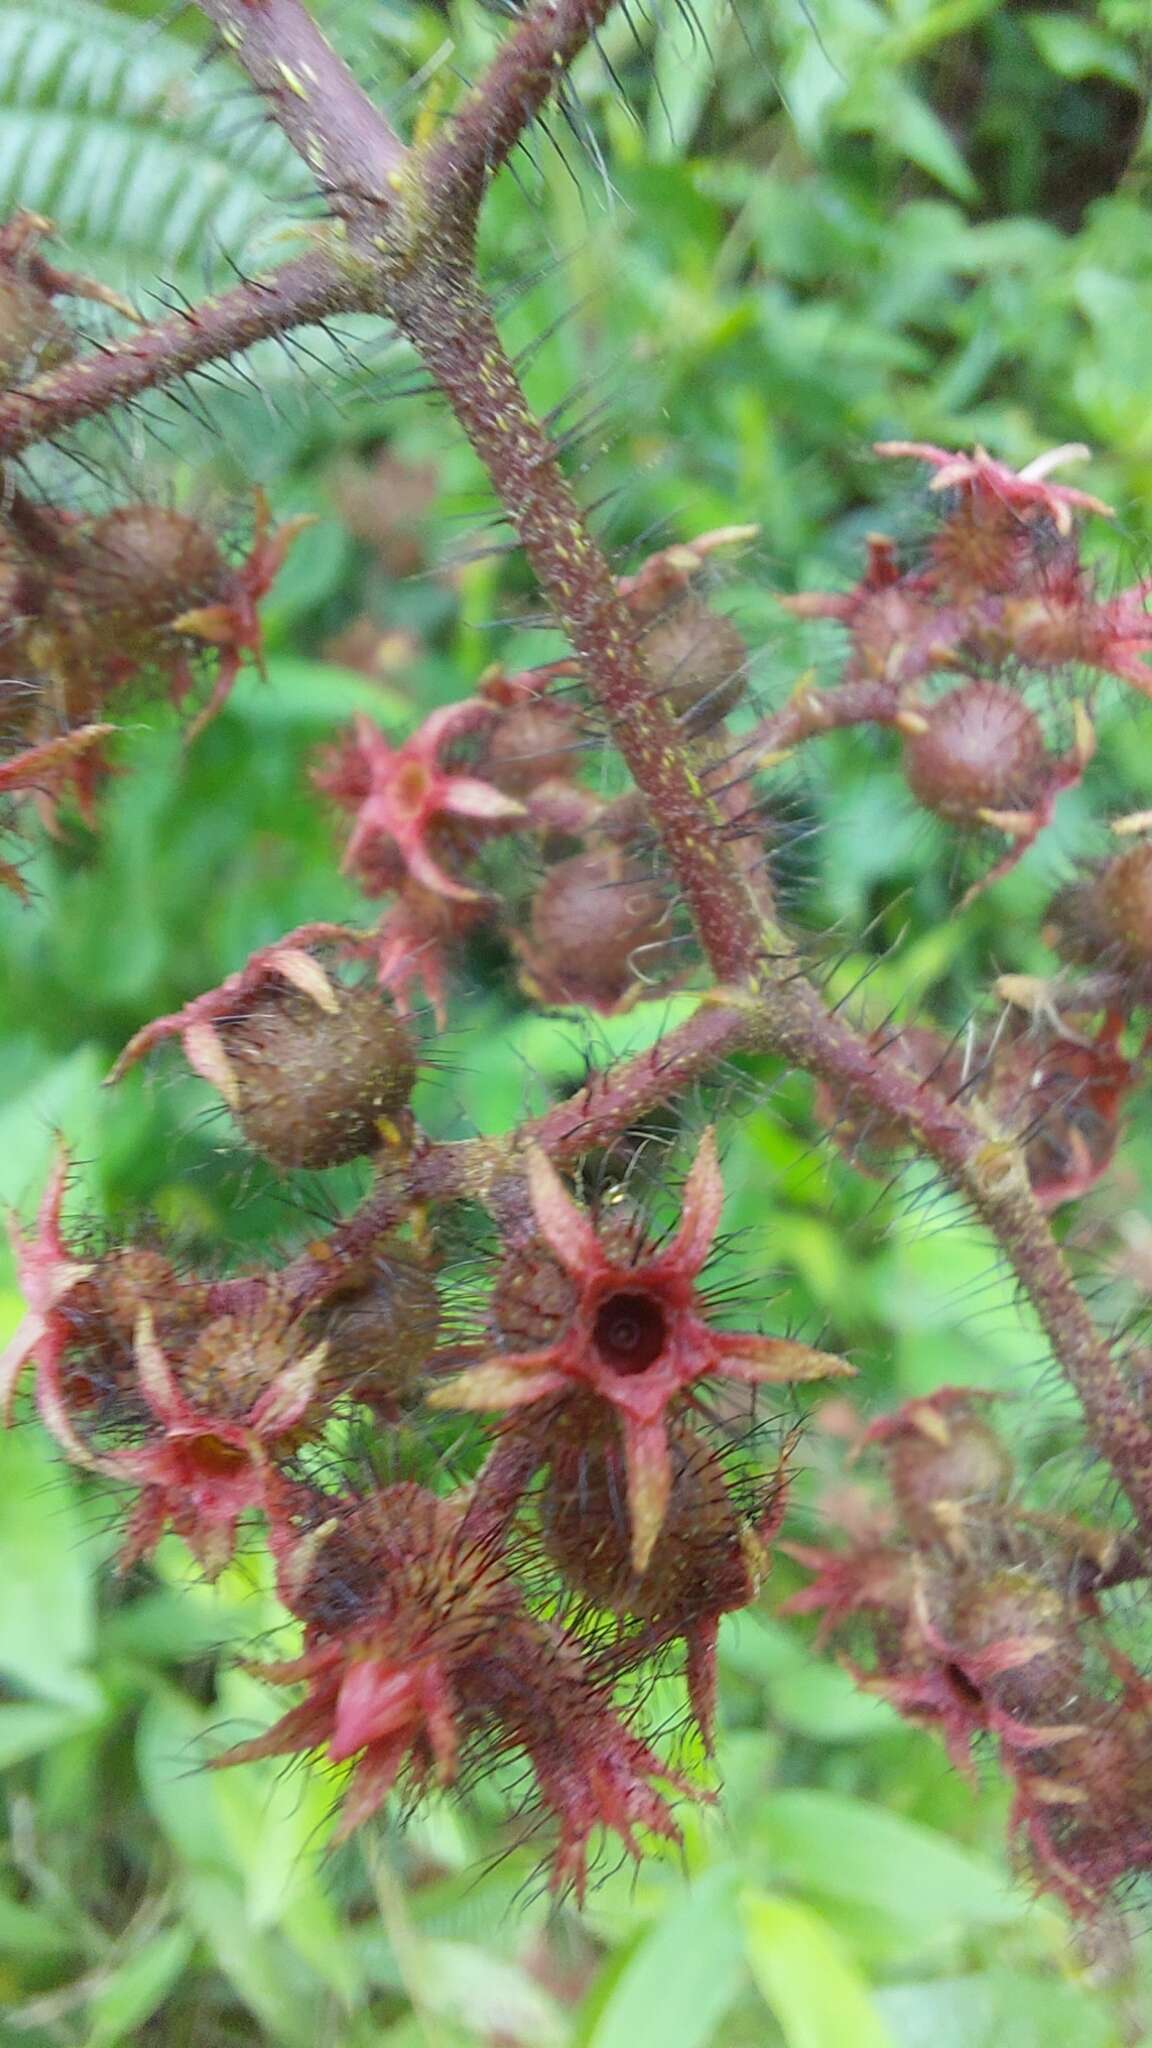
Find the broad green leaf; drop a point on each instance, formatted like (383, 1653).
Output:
(816, 1995)
(834, 1847)
(170, 1757)
(680, 1978)
(275, 1822)
(258, 1966)
(461, 1981)
(25, 1730)
(47, 1618)
(1078, 47)
(1006, 2006)
(318, 695)
(65, 1101)
(131, 1991)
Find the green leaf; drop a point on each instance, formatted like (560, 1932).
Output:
(47, 1615)
(317, 694)
(458, 1980)
(818, 1998)
(254, 1964)
(131, 1991)
(64, 1098)
(840, 1848)
(25, 1730)
(1077, 47)
(680, 1978)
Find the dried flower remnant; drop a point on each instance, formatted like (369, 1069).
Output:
(1062, 1098)
(139, 588)
(979, 1620)
(418, 1648)
(71, 760)
(241, 1393)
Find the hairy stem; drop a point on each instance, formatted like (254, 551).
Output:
(310, 288)
(343, 138)
(530, 67)
(986, 1166)
(448, 321)
(809, 712)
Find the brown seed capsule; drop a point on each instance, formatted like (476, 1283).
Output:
(983, 750)
(380, 1327)
(531, 744)
(1017, 1607)
(532, 1300)
(236, 1358)
(590, 917)
(936, 1479)
(141, 566)
(101, 1316)
(314, 1086)
(699, 1563)
(1106, 920)
(132, 1278)
(697, 660)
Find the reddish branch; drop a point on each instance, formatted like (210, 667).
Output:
(430, 290)
(523, 77)
(446, 318)
(345, 141)
(310, 288)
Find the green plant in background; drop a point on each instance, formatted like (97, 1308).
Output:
(750, 246)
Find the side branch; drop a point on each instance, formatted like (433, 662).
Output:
(343, 138)
(475, 1169)
(310, 288)
(483, 133)
(985, 1166)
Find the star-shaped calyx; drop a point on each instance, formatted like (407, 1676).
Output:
(1025, 488)
(410, 809)
(48, 1274)
(231, 621)
(208, 1461)
(636, 1335)
(288, 962)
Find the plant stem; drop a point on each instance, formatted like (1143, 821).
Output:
(344, 139)
(446, 317)
(529, 69)
(310, 288)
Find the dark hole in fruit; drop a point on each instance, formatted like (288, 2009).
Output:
(630, 1332)
(963, 1685)
(218, 1459)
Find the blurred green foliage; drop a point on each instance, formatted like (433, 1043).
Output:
(760, 238)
